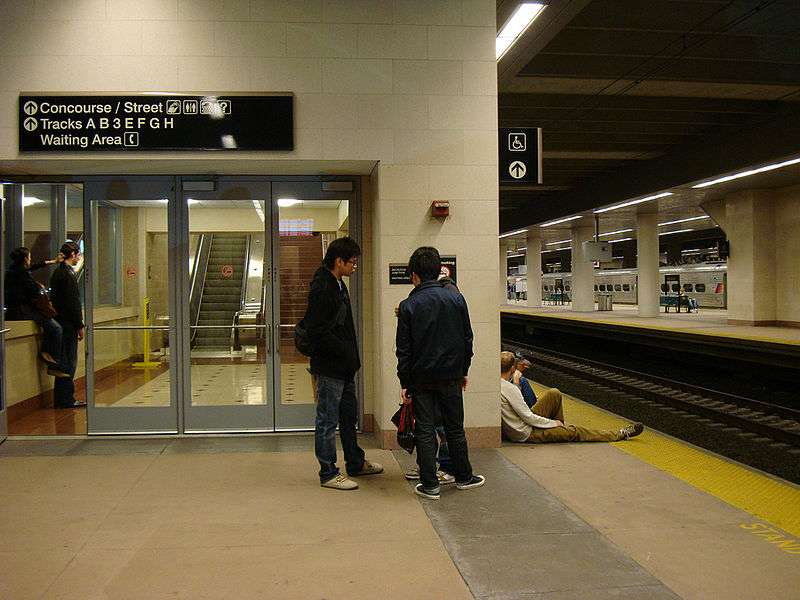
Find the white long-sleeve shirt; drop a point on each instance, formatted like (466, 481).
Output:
(517, 419)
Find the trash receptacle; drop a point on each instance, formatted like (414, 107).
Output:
(604, 302)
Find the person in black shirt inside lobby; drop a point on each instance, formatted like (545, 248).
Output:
(65, 296)
(434, 353)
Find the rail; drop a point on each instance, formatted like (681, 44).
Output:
(200, 263)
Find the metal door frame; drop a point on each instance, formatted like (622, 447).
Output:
(3, 332)
(128, 420)
(229, 418)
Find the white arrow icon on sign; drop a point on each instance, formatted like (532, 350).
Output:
(31, 107)
(30, 124)
(517, 169)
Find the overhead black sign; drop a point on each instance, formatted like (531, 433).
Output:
(155, 122)
(399, 275)
(520, 152)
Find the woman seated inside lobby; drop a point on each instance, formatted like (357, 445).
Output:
(541, 420)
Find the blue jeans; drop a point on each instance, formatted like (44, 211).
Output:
(64, 388)
(52, 340)
(336, 404)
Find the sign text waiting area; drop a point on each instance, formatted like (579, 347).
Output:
(76, 123)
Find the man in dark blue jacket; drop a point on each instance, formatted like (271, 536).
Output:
(434, 352)
(334, 362)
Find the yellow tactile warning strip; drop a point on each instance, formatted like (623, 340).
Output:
(621, 323)
(769, 499)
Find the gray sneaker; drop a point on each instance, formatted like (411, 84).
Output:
(430, 494)
(444, 478)
(340, 482)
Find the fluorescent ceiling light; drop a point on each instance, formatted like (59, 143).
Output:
(616, 232)
(560, 221)
(516, 250)
(619, 240)
(509, 233)
(515, 255)
(31, 200)
(771, 167)
(286, 202)
(676, 231)
(555, 243)
(632, 202)
(557, 249)
(516, 26)
(684, 220)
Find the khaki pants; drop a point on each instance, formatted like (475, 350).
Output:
(549, 405)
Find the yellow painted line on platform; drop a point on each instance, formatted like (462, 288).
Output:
(771, 500)
(706, 332)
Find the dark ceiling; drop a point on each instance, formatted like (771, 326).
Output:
(638, 95)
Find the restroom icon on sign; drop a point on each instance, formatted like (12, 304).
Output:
(190, 107)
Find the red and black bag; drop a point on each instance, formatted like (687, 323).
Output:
(404, 420)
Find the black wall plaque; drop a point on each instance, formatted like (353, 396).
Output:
(399, 275)
(68, 123)
(520, 153)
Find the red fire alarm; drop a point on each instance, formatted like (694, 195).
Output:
(440, 208)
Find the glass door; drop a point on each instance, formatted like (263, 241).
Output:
(307, 216)
(130, 279)
(3, 330)
(228, 332)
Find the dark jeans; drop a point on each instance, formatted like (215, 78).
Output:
(336, 404)
(445, 401)
(527, 392)
(64, 388)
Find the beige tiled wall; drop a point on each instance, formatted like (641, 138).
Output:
(410, 84)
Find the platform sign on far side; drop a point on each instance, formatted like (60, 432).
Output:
(520, 153)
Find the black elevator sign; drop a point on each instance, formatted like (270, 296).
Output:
(146, 122)
(520, 152)
(399, 275)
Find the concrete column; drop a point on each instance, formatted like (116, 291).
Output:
(647, 263)
(503, 271)
(533, 260)
(751, 228)
(582, 271)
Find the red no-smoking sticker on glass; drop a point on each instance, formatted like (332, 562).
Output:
(226, 270)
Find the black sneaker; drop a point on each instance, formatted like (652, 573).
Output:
(476, 481)
(631, 430)
(432, 494)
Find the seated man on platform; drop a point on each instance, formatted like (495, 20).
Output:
(544, 422)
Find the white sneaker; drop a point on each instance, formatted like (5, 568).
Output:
(340, 482)
(444, 478)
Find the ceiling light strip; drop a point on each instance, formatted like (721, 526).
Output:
(516, 25)
(632, 202)
(558, 221)
(676, 231)
(510, 233)
(747, 173)
(684, 220)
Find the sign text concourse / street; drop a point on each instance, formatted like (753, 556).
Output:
(71, 123)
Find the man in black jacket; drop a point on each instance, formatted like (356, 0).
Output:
(334, 362)
(66, 299)
(434, 352)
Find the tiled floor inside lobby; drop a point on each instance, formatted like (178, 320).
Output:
(244, 517)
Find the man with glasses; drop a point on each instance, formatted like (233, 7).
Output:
(66, 298)
(334, 363)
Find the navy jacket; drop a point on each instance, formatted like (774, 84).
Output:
(329, 320)
(434, 335)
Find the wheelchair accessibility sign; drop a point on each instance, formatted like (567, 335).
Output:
(520, 155)
(517, 142)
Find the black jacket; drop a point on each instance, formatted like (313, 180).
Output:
(21, 289)
(329, 320)
(434, 335)
(66, 297)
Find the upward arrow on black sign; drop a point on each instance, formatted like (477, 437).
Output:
(517, 170)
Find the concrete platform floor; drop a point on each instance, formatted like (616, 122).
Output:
(244, 517)
(707, 321)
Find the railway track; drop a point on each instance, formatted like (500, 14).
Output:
(758, 433)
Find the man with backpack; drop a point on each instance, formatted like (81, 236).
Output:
(434, 353)
(327, 334)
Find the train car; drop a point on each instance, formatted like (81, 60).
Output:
(705, 282)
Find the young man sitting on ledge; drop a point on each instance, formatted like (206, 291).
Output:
(544, 421)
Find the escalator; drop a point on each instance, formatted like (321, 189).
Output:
(221, 290)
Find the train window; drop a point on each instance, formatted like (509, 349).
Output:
(617, 287)
(688, 287)
(626, 287)
(700, 287)
(664, 287)
(595, 287)
(602, 287)
(676, 287)
(568, 287)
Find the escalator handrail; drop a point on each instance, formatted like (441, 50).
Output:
(202, 256)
